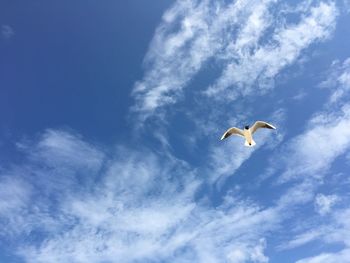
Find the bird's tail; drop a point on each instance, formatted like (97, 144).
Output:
(251, 144)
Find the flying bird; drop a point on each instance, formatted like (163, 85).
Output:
(247, 133)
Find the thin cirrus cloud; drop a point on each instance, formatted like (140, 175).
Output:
(139, 208)
(325, 139)
(341, 256)
(308, 164)
(237, 35)
(338, 80)
(70, 200)
(285, 46)
(324, 203)
(133, 212)
(325, 136)
(336, 231)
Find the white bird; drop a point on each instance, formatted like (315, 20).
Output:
(247, 133)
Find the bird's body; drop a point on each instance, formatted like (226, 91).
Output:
(248, 138)
(247, 132)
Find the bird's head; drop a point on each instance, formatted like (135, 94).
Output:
(246, 127)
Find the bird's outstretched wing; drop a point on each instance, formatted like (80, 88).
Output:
(261, 124)
(231, 131)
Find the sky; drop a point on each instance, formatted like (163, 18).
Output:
(111, 114)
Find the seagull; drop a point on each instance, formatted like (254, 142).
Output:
(247, 132)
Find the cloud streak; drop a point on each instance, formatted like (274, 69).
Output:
(237, 35)
(138, 208)
(285, 46)
(70, 200)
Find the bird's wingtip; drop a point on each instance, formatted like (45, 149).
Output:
(271, 126)
(223, 136)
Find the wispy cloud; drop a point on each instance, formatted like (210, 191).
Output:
(264, 62)
(235, 34)
(324, 203)
(325, 138)
(336, 231)
(131, 206)
(14, 197)
(7, 31)
(69, 200)
(306, 160)
(342, 256)
(134, 205)
(249, 45)
(338, 80)
(303, 238)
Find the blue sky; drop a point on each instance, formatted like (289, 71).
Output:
(111, 115)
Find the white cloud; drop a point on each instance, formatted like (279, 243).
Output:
(303, 239)
(342, 256)
(338, 80)
(298, 194)
(228, 157)
(308, 157)
(301, 95)
(337, 231)
(13, 194)
(346, 6)
(191, 33)
(285, 46)
(90, 205)
(256, 254)
(135, 206)
(326, 138)
(324, 203)
(14, 197)
(131, 206)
